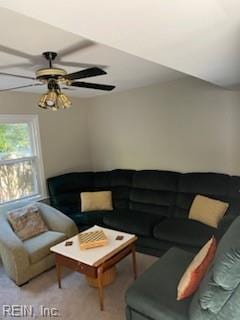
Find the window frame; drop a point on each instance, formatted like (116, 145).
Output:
(36, 157)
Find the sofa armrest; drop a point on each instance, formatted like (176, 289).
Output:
(57, 221)
(14, 256)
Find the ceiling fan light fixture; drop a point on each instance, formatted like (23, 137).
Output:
(51, 98)
(42, 102)
(63, 101)
(53, 108)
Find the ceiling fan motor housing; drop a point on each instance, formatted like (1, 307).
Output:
(45, 74)
(51, 73)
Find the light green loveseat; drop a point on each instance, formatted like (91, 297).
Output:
(153, 295)
(23, 260)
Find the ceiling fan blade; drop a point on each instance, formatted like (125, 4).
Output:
(87, 73)
(16, 52)
(16, 76)
(67, 88)
(15, 65)
(78, 64)
(21, 87)
(89, 85)
(75, 47)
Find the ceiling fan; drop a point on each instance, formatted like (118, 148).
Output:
(57, 79)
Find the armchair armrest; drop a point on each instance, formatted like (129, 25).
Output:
(14, 256)
(57, 221)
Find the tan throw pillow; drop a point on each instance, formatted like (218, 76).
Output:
(196, 270)
(94, 201)
(27, 222)
(207, 210)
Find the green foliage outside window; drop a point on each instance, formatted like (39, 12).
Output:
(14, 140)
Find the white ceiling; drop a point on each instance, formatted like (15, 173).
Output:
(197, 37)
(26, 38)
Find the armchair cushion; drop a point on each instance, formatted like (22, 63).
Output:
(27, 222)
(39, 246)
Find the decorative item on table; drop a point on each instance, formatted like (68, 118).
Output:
(92, 239)
(68, 243)
(119, 237)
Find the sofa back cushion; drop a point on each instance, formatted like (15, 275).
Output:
(65, 189)
(212, 185)
(121, 183)
(154, 192)
(220, 287)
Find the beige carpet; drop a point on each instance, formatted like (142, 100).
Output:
(76, 300)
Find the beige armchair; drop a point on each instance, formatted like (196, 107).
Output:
(23, 260)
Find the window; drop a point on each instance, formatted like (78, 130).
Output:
(21, 169)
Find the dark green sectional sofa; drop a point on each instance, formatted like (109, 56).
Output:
(153, 204)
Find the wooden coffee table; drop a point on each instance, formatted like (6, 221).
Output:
(96, 263)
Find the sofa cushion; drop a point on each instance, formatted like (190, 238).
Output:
(207, 210)
(213, 185)
(183, 231)
(131, 221)
(89, 218)
(39, 246)
(27, 222)
(153, 294)
(197, 269)
(96, 201)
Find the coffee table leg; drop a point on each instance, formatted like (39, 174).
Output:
(100, 286)
(134, 262)
(58, 269)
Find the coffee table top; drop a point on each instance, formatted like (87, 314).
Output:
(95, 256)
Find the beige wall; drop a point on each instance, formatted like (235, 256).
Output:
(185, 125)
(64, 137)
